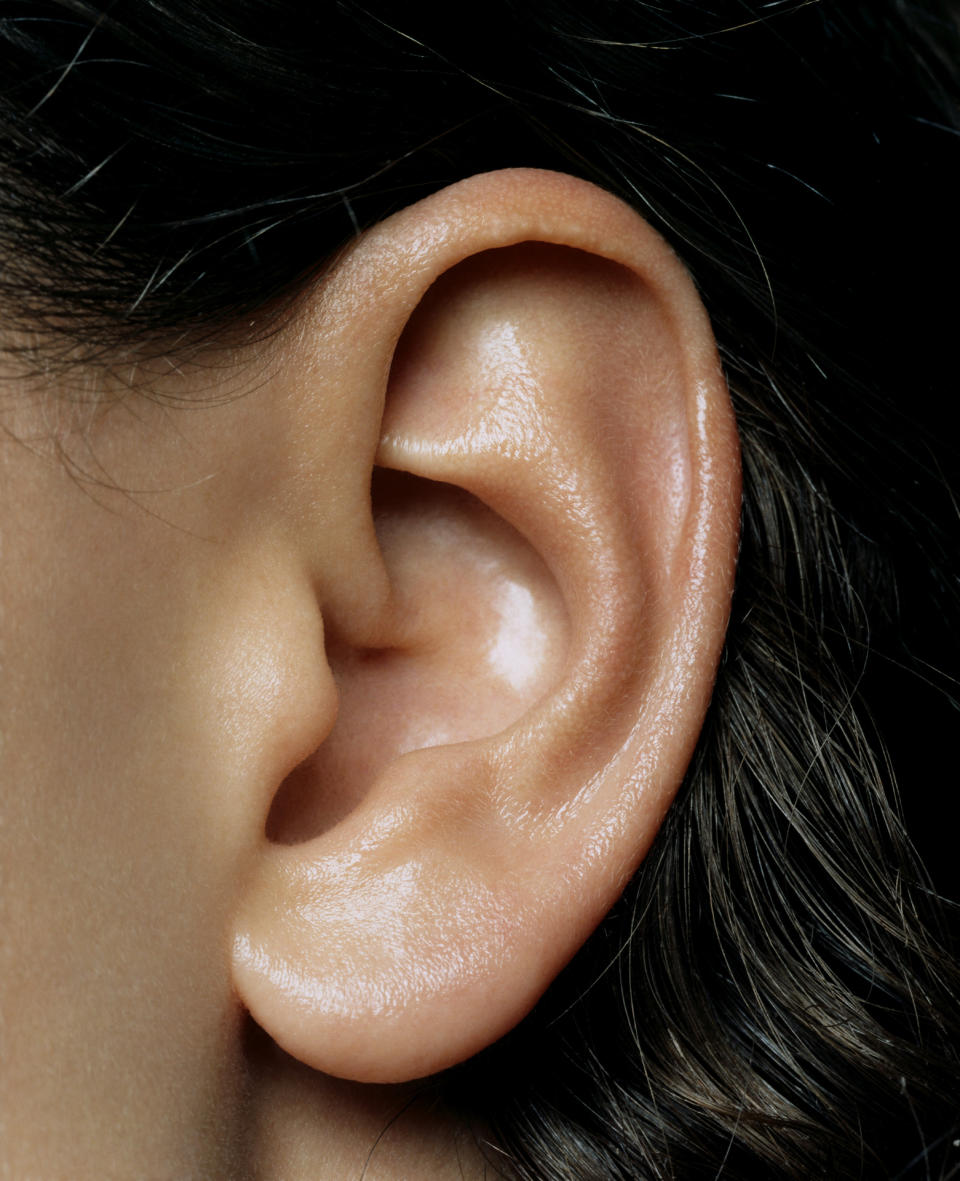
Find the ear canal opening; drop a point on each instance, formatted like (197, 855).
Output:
(478, 634)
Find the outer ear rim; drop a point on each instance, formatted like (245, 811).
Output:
(330, 1009)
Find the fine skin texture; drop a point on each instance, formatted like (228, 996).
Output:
(368, 768)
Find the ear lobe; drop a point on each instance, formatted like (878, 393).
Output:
(556, 367)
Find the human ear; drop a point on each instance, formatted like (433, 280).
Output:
(523, 622)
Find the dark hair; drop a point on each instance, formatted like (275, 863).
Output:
(776, 995)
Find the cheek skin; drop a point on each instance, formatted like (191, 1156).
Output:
(117, 855)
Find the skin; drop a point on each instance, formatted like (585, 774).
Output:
(145, 686)
(403, 751)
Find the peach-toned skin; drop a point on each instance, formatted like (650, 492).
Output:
(364, 771)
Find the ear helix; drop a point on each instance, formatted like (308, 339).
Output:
(556, 366)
